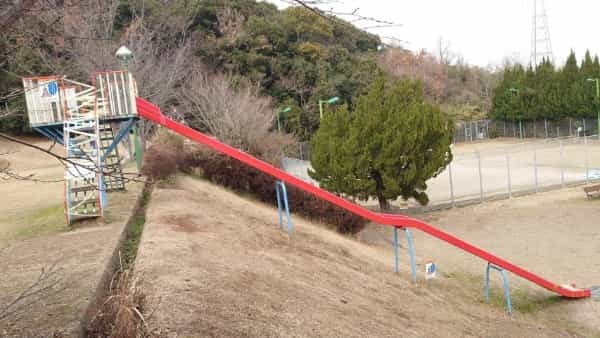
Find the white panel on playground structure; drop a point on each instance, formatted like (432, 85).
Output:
(43, 99)
(116, 94)
(46, 96)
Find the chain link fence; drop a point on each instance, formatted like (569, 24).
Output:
(469, 131)
(502, 169)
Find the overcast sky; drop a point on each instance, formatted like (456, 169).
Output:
(483, 32)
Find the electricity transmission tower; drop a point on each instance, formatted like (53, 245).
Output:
(541, 46)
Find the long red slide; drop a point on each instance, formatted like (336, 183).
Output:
(151, 112)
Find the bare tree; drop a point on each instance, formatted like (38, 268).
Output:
(420, 65)
(444, 52)
(236, 115)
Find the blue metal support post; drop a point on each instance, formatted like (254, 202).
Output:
(504, 281)
(138, 148)
(103, 199)
(53, 132)
(396, 247)
(411, 252)
(279, 191)
(123, 131)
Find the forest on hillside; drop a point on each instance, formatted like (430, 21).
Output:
(293, 57)
(527, 94)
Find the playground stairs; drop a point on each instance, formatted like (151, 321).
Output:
(82, 196)
(113, 177)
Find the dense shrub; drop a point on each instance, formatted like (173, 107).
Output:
(170, 154)
(166, 156)
(237, 176)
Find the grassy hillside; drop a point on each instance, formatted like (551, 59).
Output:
(216, 264)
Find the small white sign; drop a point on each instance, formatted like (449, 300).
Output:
(430, 270)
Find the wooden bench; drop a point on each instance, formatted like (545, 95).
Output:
(592, 190)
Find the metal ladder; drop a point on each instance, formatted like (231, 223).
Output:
(82, 195)
(111, 164)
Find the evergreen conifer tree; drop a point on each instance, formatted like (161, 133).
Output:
(387, 147)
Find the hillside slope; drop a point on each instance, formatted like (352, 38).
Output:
(215, 264)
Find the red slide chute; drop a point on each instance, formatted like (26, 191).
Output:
(151, 112)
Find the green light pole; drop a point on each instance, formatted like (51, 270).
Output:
(281, 111)
(329, 101)
(124, 55)
(597, 97)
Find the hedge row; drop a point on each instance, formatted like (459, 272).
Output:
(162, 160)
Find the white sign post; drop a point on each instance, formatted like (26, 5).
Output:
(430, 270)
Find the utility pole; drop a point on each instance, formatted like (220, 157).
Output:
(541, 46)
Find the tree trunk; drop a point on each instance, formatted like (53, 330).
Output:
(384, 205)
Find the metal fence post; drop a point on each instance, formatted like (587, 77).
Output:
(520, 129)
(562, 166)
(546, 127)
(535, 170)
(451, 185)
(587, 164)
(480, 176)
(584, 128)
(504, 128)
(508, 174)
(570, 126)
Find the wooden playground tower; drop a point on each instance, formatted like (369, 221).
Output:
(89, 121)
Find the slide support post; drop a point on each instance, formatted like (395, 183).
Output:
(505, 284)
(411, 252)
(280, 192)
(396, 248)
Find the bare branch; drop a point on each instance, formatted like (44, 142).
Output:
(38, 290)
(352, 17)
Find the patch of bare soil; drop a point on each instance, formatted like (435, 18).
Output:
(182, 223)
(241, 276)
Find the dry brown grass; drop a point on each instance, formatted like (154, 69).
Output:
(122, 313)
(241, 276)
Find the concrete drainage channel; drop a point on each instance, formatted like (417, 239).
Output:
(116, 292)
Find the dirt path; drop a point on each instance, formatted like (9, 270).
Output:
(215, 264)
